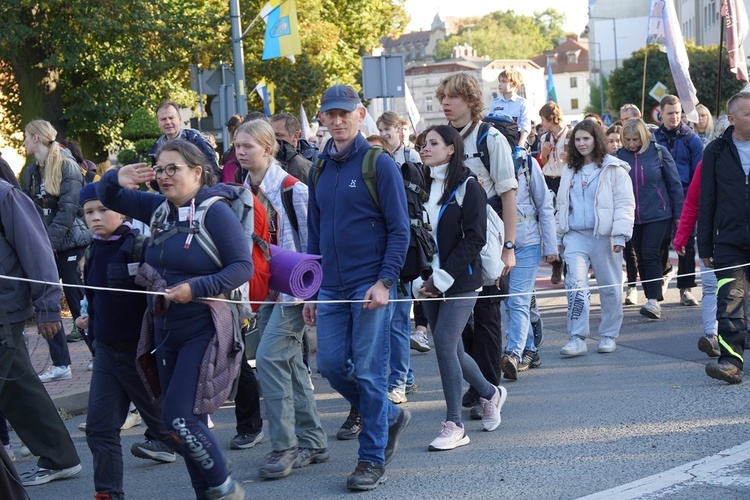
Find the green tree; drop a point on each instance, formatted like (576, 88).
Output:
(505, 35)
(597, 94)
(626, 82)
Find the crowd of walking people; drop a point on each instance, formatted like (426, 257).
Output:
(582, 198)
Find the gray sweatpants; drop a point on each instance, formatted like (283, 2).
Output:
(582, 249)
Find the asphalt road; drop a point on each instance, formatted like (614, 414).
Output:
(601, 424)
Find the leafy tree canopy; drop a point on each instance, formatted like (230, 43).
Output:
(506, 35)
(625, 83)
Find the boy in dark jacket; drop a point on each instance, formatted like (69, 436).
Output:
(114, 325)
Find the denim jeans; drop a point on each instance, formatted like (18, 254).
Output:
(521, 285)
(708, 301)
(290, 403)
(400, 360)
(353, 354)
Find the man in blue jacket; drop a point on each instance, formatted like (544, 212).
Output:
(687, 150)
(24, 401)
(363, 247)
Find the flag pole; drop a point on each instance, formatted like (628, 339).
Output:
(721, 52)
(643, 85)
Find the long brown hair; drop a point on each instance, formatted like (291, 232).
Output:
(575, 159)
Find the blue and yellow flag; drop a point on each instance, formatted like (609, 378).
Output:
(282, 31)
(266, 91)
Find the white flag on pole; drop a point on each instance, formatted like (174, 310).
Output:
(306, 130)
(411, 110)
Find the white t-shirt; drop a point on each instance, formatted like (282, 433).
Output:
(400, 155)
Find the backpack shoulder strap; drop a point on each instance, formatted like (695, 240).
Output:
(483, 151)
(318, 167)
(287, 199)
(136, 255)
(202, 236)
(370, 172)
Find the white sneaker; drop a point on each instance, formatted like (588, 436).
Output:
(25, 451)
(631, 296)
(9, 450)
(54, 373)
(451, 436)
(396, 395)
(82, 426)
(491, 409)
(418, 341)
(687, 298)
(90, 367)
(133, 419)
(651, 309)
(210, 422)
(576, 346)
(606, 345)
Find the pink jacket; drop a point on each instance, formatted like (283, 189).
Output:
(689, 210)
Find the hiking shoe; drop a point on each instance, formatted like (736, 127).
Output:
(537, 327)
(687, 298)
(631, 296)
(396, 395)
(709, 345)
(153, 450)
(476, 412)
(470, 399)
(450, 437)
(279, 464)
(54, 373)
(492, 408)
(651, 309)
(509, 366)
(576, 346)
(412, 388)
(724, 371)
(307, 456)
(351, 428)
(9, 451)
(245, 441)
(133, 419)
(75, 335)
(418, 341)
(38, 476)
(394, 433)
(366, 476)
(530, 359)
(556, 277)
(606, 345)
(237, 492)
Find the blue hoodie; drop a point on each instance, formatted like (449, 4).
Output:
(358, 242)
(176, 263)
(686, 149)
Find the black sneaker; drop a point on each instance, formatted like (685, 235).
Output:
(366, 476)
(245, 441)
(470, 399)
(709, 345)
(38, 475)
(307, 456)
(509, 366)
(351, 427)
(394, 432)
(75, 335)
(476, 412)
(530, 359)
(278, 464)
(538, 328)
(153, 450)
(727, 372)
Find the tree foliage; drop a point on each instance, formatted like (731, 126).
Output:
(626, 82)
(505, 35)
(87, 65)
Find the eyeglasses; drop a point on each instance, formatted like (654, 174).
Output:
(170, 170)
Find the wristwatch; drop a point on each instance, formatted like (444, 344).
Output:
(509, 245)
(388, 282)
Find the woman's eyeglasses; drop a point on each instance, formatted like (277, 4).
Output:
(169, 169)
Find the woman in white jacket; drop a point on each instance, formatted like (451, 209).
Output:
(297, 437)
(595, 215)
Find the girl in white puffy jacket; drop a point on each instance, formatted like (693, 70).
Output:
(595, 215)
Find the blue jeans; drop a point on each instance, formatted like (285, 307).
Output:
(400, 359)
(521, 285)
(353, 353)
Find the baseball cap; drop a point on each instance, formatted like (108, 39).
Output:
(339, 97)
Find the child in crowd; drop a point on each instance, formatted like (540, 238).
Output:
(509, 103)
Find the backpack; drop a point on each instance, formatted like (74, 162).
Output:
(253, 218)
(492, 251)
(422, 246)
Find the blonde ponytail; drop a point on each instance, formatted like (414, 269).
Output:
(53, 165)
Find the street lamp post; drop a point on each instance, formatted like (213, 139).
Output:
(614, 31)
(601, 77)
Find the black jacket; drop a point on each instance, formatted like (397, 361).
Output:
(461, 234)
(724, 215)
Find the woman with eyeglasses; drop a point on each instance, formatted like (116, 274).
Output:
(183, 327)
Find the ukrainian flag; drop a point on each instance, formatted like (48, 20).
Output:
(282, 31)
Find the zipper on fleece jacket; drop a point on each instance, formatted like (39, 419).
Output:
(637, 192)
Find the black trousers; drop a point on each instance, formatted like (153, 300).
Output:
(483, 340)
(731, 301)
(646, 241)
(28, 407)
(247, 401)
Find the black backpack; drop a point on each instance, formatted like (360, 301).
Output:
(422, 246)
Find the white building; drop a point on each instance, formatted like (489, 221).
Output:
(616, 29)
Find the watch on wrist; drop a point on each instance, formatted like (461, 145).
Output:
(509, 245)
(388, 282)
